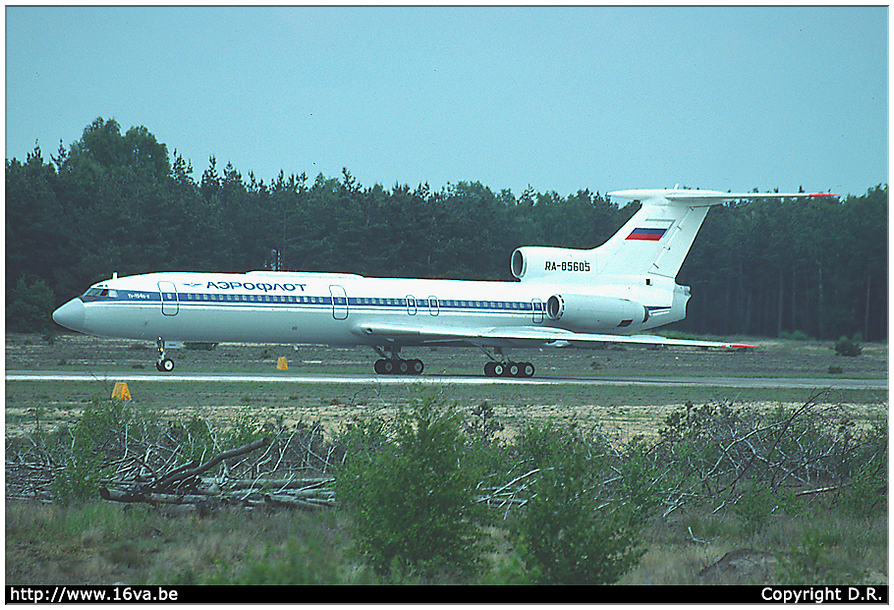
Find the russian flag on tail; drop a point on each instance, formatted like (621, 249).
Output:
(645, 234)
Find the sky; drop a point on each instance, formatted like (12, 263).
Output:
(553, 98)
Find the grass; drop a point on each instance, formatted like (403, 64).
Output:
(105, 543)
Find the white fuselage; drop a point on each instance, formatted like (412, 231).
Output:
(322, 308)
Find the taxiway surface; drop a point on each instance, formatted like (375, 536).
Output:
(321, 378)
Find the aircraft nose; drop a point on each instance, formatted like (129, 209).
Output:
(71, 315)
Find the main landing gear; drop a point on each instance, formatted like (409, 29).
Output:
(395, 365)
(502, 367)
(399, 366)
(509, 369)
(164, 364)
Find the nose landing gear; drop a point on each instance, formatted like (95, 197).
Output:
(164, 364)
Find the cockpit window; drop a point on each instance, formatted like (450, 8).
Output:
(99, 292)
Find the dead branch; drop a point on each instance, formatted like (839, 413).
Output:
(191, 471)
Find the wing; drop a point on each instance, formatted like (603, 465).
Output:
(516, 336)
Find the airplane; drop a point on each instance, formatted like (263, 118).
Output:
(562, 297)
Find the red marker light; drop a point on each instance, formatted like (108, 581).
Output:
(822, 195)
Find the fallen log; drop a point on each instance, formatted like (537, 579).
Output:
(117, 495)
(295, 502)
(179, 474)
(305, 483)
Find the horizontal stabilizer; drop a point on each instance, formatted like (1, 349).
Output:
(699, 198)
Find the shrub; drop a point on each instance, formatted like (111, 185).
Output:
(848, 347)
(572, 531)
(754, 507)
(409, 497)
(866, 495)
(93, 437)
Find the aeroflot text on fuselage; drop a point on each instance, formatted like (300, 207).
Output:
(262, 286)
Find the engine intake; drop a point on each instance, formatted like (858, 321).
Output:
(589, 313)
(555, 264)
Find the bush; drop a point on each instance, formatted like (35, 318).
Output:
(92, 438)
(572, 531)
(848, 347)
(410, 498)
(754, 507)
(795, 335)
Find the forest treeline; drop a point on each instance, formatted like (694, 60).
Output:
(115, 201)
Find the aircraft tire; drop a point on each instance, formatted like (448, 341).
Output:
(527, 369)
(165, 366)
(416, 367)
(489, 369)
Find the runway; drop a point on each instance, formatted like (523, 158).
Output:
(286, 377)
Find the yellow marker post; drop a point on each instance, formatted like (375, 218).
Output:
(121, 392)
(281, 364)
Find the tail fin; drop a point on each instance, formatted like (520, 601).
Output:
(658, 236)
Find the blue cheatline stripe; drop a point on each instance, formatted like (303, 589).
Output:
(266, 300)
(125, 297)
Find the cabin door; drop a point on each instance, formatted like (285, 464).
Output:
(170, 301)
(537, 308)
(339, 302)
